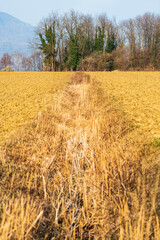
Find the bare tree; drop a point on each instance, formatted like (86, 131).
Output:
(17, 59)
(5, 60)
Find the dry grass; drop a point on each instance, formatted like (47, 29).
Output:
(79, 78)
(83, 170)
(23, 95)
(137, 94)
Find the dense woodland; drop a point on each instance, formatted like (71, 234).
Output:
(76, 41)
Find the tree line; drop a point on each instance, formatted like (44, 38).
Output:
(19, 62)
(75, 41)
(80, 42)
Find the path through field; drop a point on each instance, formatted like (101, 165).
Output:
(81, 172)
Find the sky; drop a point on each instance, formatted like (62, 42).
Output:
(33, 11)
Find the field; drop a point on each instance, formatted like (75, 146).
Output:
(138, 94)
(80, 160)
(23, 96)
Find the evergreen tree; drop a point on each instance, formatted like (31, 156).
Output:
(47, 45)
(65, 57)
(111, 42)
(74, 52)
(88, 47)
(99, 39)
(110, 46)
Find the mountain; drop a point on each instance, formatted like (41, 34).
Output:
(14, 35)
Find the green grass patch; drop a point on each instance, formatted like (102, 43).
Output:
(156, 142)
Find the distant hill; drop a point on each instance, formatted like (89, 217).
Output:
(14, 35)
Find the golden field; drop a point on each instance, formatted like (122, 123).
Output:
(85, 167)
(23, 96)
(137, 94)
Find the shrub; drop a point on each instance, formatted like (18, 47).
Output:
(80, 77)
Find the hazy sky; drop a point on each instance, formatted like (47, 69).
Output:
(32, 11)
